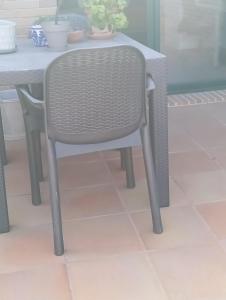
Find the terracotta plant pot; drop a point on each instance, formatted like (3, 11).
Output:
(101, 34)
(75, 36)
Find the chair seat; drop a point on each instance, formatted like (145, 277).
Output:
(63, 150)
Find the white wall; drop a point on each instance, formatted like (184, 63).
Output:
(24, 12)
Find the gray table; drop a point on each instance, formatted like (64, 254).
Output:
(27, 66)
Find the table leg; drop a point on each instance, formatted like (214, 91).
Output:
(4, 219)
(2, 142)
(159, 128)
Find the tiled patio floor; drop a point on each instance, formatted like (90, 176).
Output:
(111, 252)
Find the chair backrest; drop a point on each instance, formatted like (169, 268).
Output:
(95, 95)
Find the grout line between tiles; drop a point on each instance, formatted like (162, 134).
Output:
(152, 267)
(206, 225)
(150, 264)
(68, 279)
(131, 221)
(28, 268)
(107, 168)
(94, 217)
(92, 161)
(70, 260)
(182, 247)
(208, 154)
(129, 216)
(66, 221)
(90, 186)
(221, 245)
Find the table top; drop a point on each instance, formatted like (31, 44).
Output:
(28, 63)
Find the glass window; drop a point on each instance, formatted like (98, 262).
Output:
(193, 36)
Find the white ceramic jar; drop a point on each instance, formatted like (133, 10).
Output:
(7, 36)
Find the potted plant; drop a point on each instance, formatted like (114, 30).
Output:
(56, 30)
(79, 26)
(106, 17)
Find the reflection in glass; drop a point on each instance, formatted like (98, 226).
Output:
(193, 35)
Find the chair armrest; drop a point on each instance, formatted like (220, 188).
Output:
(150, 84)
(30, 100)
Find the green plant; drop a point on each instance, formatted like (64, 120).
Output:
(106, 13)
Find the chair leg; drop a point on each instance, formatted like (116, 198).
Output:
(31, 152)
(35, 188)
(38, 154)
(128, 160)
(4, 218)
(2, 143)
(55, 200)
(122, 159)
(151, 180)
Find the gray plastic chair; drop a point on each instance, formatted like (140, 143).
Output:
(96, 97)
(4, 218)
(34, 125)
(33, 115)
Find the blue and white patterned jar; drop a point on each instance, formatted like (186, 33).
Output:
(38, 36)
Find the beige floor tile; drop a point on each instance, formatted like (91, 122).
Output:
(86, 201)
(83, 174)
(114, 154)
(120, 176)
(181, 142)
(138, 198)
(17, 181)
(210, 134)
(121, 278)
(191, 163)
(88, 157)
(202, 187)
(176, 115)
(177, 195)
(223, 244)
(201, 125)
(182, 227)
(217, 111)
(214, 215)
(90, 202)
(43, 283)
(21, 249)
(218, 154)
(196, 273)
(17, 154)
(23, 213)
(101, 236)
(179, 139)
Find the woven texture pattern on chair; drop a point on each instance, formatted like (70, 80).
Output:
(95, 95)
